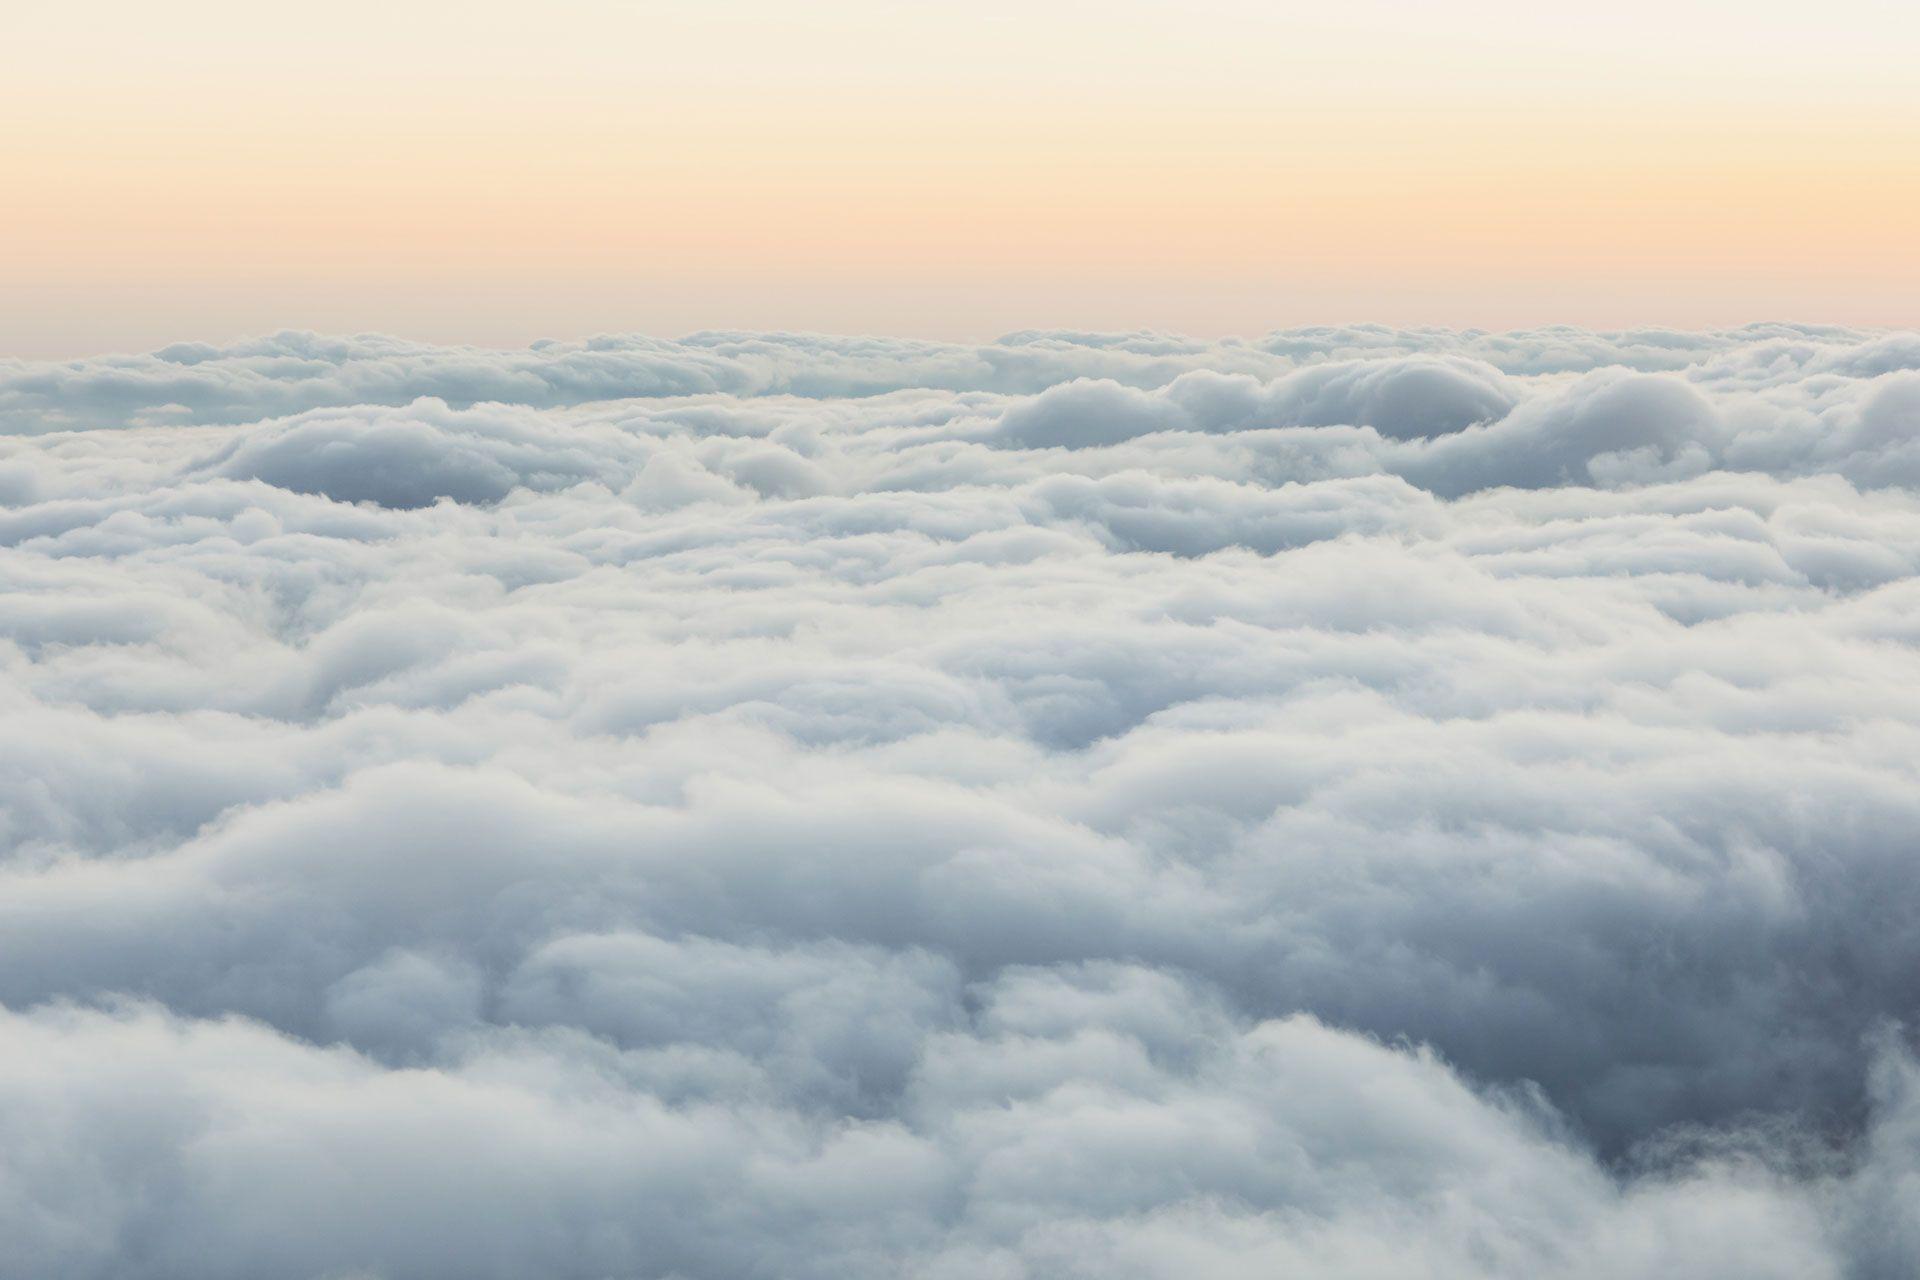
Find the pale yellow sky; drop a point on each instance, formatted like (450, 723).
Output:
(496, 172)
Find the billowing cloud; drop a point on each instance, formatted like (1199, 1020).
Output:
(1355, 802)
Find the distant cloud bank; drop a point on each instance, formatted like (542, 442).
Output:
(1354, 802)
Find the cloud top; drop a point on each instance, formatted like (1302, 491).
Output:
(1351, 802)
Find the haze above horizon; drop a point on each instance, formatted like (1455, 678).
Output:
(493, 173)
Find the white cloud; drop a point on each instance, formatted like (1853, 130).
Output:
(1358, 802)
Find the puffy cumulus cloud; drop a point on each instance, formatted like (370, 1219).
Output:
(1405, 398)
(412, 457)
(292, 372)
(1358, 802)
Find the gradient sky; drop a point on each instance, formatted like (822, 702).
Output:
(495, 172)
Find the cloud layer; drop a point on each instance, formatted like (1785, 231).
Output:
(1354, 802)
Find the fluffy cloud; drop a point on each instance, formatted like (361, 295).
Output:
(1358, 802)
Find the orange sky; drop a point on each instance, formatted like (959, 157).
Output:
(497, 172)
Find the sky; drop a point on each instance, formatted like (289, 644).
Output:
(1023, 640)
(496, 172)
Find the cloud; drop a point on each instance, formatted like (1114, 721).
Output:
(412, 457)
(1357, 802)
